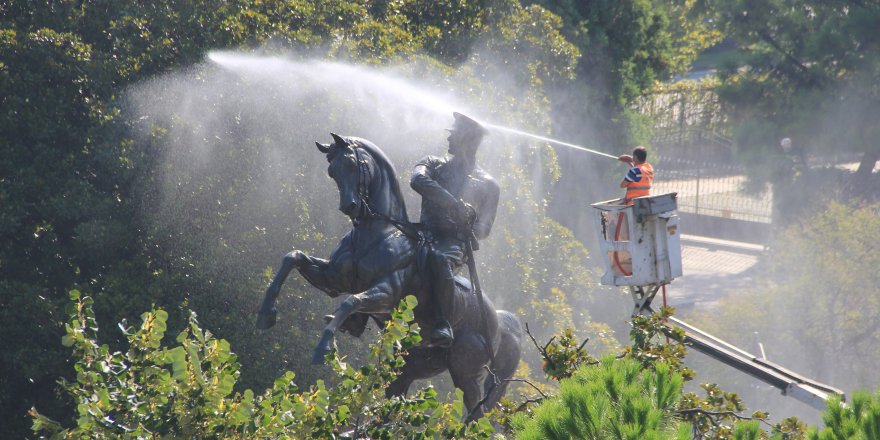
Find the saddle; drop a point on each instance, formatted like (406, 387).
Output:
(357, 322)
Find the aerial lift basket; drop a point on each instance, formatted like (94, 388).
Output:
(639, 243)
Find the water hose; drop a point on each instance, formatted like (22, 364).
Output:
(620, 219)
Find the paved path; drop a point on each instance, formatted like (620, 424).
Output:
(712, 268)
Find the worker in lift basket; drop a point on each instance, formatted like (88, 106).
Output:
(637, 182)
(640, 176)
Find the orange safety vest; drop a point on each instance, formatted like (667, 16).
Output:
(642, 187)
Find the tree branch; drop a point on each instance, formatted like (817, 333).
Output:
(805, 77)
(543, 350)
(526, 402)
(692, 411)
(495, 383)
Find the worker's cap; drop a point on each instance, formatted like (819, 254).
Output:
(467, 125)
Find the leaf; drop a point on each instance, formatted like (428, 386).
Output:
(177, 357)
(227, 382)
(342, 414)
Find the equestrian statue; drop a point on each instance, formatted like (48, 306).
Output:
(386, 257)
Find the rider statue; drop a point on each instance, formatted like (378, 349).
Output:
(459, 201)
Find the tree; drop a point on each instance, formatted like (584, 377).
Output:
(637, 394)
(813, 304)
(65, 203)
(859, 419)
(809, 74)
(70, 168)
(615, 399)
(627, 47)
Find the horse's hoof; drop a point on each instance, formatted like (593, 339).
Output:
(266, 320)
(325, 345)
(319, 357)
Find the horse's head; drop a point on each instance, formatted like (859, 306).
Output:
(351, 169)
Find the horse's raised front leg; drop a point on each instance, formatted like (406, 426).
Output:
(267, 314)
(323, 275)
(374, 300)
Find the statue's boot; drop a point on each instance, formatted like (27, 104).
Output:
(443, 289)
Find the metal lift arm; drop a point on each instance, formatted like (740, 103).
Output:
(806, 390)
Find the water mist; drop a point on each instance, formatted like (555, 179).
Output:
(239, 183)
(386, 91)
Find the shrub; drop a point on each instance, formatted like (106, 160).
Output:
(187, 391)
(615, 399)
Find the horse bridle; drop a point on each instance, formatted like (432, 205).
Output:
(367, 210)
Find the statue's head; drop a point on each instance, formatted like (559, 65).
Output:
(465, 135)
(340, 145)
(345, 168)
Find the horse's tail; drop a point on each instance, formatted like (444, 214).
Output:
(507, 355)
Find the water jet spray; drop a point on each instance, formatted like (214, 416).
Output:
(546, 139)
(343, 75)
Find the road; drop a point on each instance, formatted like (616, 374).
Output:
(712, 268)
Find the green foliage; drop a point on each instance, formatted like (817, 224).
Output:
(535, 34)
(563, 357)
(653, 341)
(626, 43)
(658, 351)
(78, 184)
(187, 391)
(692, 29)
(447, 28)
(816, 277)
(66, 217)
(808, 75)
(550, 294)
(718, 415)
(859, 419)
(627, 46)
(616, 399)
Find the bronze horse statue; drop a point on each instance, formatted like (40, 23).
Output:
(378, 263)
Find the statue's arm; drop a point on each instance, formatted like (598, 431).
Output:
(487, 209)
(424, 184)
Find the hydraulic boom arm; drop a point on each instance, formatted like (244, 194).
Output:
(790, 383)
